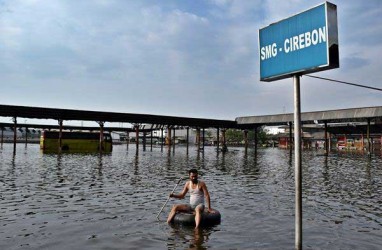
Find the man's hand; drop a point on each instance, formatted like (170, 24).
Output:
(171, 195)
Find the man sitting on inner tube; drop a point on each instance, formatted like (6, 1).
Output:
(198, 191)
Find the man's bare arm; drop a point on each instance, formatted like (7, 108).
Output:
(182, 194)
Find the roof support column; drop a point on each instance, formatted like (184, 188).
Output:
(217, 139)
(256, 140)
(144, 141)
(168, 137)
(224, 149)
(198, 138)
(161, 141)
(204, 138)
(2, 136)
(290, 136)
(136, 138)
(14, 133)
(101, 142)
(326, 139)
(26, 136)
(151, 140)
(173, 140)
(127, 139)
(368, 138)
(60, 122)
(246, 140)
(188, 131)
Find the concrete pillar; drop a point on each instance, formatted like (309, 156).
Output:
(198, 138)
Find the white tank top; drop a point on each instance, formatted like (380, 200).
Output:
(196, 195)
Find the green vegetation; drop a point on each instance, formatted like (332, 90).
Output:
(234, 136)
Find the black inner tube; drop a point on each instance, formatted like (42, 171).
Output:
(208, 219)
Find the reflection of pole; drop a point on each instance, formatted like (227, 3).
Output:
(297, 159)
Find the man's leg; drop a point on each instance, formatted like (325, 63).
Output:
(177, 208)
(198, 214)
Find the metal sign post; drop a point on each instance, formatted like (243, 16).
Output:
(297, 162)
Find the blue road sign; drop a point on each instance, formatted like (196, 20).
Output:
(304, 43)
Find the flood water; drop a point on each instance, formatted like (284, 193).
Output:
(92, 201)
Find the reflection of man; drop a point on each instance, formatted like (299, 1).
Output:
(198, 191)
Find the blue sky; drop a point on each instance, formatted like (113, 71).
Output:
(181, 58)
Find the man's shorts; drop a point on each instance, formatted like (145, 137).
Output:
(192, 208)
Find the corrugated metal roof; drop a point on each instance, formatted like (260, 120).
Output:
(331, 116)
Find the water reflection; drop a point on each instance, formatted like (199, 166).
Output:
(182, 237)
(65, 200)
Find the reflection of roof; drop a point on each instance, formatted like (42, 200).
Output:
(331, 116)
